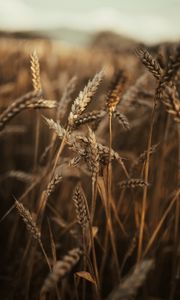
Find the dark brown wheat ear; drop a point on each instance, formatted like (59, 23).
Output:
(133, 183)
(60, 269)
(80, 206)
(166, 91)
(28, 220)
(150, 63)
(31, 227)
(129, 286)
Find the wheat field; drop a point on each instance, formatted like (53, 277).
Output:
(90, 170)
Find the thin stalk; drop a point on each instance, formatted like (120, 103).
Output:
(45, 255)
(109, 171)
(93, 201)
(161, 222)
(109, 187)
(144, 201)
(63, 142)
(37, 135)
(176, 258)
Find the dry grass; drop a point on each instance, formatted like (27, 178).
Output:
(93, 160)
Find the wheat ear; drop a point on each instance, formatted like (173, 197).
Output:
(84, 98)
(80, 207)
(149, 62)
(132, 183)
(28, 220)
(61, 269)
(17, 106)
(31, 227)
(35, 70)
(129, 286)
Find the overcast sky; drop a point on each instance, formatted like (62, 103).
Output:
(149, 21)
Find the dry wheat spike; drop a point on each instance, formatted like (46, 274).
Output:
(74, 162)
(92, 155)
(142, 157)
(52, 184)
(84, 98)
(42, 103)
(121, 119)
(35, 70)
(61, 269)
(66, 97)
(170, 99)
(132, 92)
(166, 90)
(17, 106)
(132, 183)
(116, 89)
(28, 220)
(59, 130)
(172, 67)
(85, 118)
(129, 286)
(80, 206)
(150, 63)
(20, 175)
(76, 143)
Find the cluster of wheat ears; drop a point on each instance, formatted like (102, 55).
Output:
(99, 221)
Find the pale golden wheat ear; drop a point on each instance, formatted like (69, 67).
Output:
(36, 81)
(85, 96)
(129, 286)
(35, 71)
(60, 269)
(56, 127)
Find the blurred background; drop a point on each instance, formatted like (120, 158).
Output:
(75, 21)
